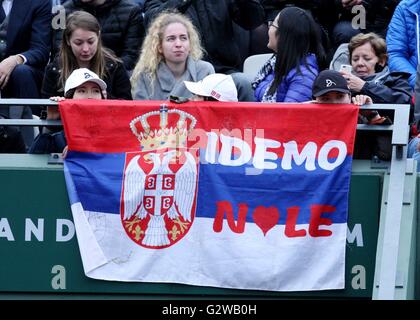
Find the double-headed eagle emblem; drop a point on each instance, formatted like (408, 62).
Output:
(160, 181)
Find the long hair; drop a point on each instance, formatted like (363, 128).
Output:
(67, 61)
(297, 36)
(150, 57)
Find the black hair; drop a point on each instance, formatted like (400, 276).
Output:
(70, 93)
(297, 36)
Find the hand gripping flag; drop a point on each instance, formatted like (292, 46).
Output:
(233, 195)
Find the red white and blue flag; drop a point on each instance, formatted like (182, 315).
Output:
(232, 195)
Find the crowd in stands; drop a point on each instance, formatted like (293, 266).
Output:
(189, 49)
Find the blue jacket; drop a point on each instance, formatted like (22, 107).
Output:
(295, 87)
(403, 38)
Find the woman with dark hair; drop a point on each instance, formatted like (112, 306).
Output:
(81, 47)
(288, 76)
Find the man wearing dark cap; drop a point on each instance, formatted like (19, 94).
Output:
(331, 87)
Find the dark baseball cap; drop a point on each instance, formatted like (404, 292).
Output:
(327, 81)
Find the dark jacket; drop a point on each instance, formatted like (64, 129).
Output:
(121, 23)
(29, 31)
(213, 20)
(118, 84)
(388, 87)
(11, 140)
(323, 11)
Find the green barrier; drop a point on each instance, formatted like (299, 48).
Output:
(39, 251)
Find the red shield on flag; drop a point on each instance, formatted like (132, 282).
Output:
(159, 193)
(155, 212)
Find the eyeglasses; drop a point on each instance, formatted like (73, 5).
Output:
(271, 23)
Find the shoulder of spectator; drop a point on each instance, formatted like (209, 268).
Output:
(206, 66)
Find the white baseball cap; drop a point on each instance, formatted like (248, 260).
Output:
(217, 85)
(81, 76)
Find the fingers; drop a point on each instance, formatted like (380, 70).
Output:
(5, 81)
(361, 99)
(356, 101)
(64, 155)
(346, 75)
(2, 78)
(57, 99)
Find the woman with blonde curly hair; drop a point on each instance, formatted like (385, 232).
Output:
(170, 54)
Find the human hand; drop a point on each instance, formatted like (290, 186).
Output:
(57, 99)
(6, 68)
(64, 153)
(361, 99)
(353, 82)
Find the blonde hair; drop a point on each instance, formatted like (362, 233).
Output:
(67, 61)
(150, 57)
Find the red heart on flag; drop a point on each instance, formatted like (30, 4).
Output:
(265, 218)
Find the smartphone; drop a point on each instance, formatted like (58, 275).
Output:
(346, 68)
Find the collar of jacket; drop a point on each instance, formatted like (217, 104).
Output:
(167, 80)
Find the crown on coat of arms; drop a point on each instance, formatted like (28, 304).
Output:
(164, 136)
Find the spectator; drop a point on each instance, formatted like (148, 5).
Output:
(81, 84)
(215, 22)
(121, 23)
(82, 48)
(330, 87)
(25, 35)
(370, 73)
(403, 38)
(371, 76)
(216, 87)
(170, 54)
(288, 76)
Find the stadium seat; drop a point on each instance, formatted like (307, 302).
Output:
(253, 64)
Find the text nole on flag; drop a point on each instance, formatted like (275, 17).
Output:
(231, 195)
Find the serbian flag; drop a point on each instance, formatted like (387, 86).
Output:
(232, 195)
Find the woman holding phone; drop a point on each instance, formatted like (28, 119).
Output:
(370, 74)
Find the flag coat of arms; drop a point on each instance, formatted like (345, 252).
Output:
(232, 195)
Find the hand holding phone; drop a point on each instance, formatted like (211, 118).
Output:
(346, 68)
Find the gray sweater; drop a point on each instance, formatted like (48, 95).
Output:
(166, 85)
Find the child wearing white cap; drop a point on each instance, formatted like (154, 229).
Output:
(81, 84)
(217, 86)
